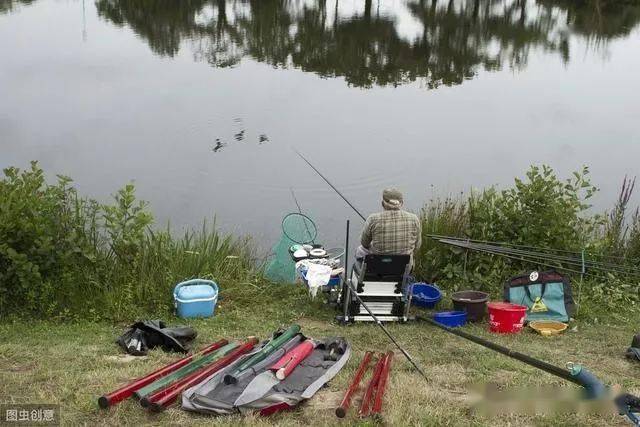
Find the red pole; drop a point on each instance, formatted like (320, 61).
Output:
(292, 358)
(341, 410)
(382, 384)
(165, 397)
(373, 382)
(126, 391)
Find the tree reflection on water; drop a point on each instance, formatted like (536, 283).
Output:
(450, 40)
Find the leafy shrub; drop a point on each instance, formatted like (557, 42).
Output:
(611, 297)
(45, 238)
(633, 242)
(65, 256)
(619, 235)
(540, 210)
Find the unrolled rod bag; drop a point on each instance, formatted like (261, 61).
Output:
(547, 295)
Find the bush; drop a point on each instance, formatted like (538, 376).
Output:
(62, 255)
(540, 210)
(46, 238)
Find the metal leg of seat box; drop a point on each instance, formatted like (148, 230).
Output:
(409, 289)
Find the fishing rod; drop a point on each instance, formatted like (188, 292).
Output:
(627, 404)
(548, 260)
(526, 256)
(568, 256)
(350, 285)
(565, 259)
(330, 184)
(547, 367)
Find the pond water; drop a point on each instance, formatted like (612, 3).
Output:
(201, 103)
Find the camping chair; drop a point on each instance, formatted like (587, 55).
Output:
(381, 283)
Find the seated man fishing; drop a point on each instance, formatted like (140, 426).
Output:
(391, 232)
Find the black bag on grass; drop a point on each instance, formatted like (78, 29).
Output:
(633, 352)
(547, 295)
(142, 336)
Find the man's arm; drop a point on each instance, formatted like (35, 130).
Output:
(365, 238)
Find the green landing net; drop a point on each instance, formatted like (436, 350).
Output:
(297, 229)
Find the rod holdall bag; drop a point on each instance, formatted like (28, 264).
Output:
(547, 295)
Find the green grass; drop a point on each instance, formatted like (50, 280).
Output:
(74, 363)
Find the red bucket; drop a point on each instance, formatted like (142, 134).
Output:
(506, 318)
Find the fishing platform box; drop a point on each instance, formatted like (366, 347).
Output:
(377, 289)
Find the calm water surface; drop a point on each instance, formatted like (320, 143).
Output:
(200, 102)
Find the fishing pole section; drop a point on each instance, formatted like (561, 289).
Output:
(627, 404)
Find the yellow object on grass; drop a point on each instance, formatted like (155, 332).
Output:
(548, 328)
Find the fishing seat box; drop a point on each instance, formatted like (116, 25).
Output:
(381, 283)
(195, 298)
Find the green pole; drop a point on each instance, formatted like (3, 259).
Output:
(269, 348)
(184, 371)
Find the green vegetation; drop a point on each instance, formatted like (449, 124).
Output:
(540, 211)
(67, 256)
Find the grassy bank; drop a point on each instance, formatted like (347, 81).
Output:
(75, 362)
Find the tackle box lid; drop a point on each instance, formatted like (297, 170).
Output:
(199, 292)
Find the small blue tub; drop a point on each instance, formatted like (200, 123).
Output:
(425, 295)
(195, 298)
(452, 319)
(334, 281)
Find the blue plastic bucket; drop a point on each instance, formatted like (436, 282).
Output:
(425, 295)
(451, 319)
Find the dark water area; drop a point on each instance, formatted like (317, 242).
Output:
(201, 102)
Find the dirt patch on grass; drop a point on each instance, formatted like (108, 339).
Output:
(19, 368)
